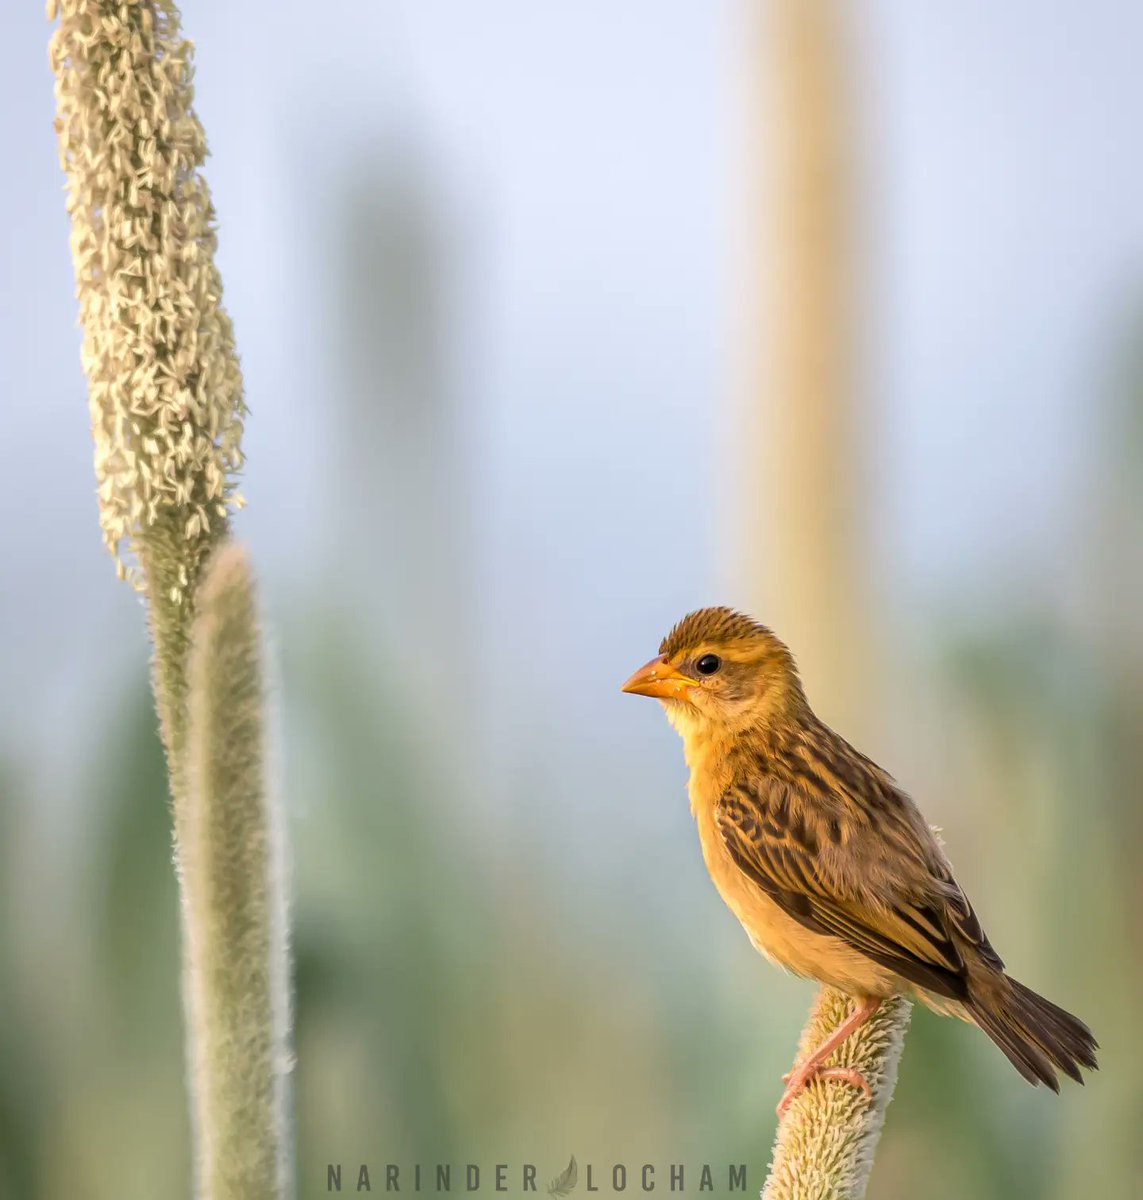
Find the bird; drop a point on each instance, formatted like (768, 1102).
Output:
(827, 863)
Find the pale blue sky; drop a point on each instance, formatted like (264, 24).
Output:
(576, 164)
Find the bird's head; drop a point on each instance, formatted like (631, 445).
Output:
(720, 672)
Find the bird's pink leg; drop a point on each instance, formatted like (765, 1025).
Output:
(806, 1072)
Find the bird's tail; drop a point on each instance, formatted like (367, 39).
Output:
(1034, 1033)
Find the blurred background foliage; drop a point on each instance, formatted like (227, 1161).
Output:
(490, 365)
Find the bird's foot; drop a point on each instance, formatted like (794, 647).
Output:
(806, 1072)
(804, 1075)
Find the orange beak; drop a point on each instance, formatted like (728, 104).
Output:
(659, 679)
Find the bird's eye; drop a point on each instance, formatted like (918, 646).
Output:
(708, 664)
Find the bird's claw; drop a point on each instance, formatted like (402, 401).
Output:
(802, 1077)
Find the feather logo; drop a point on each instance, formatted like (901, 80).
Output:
(565, 1180)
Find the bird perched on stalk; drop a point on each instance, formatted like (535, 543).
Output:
(827, 863)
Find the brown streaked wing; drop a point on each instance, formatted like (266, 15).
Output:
(873, 788)
(771, 840)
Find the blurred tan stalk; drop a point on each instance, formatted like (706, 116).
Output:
(798, 446)
(166, 404)
(800, 467)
